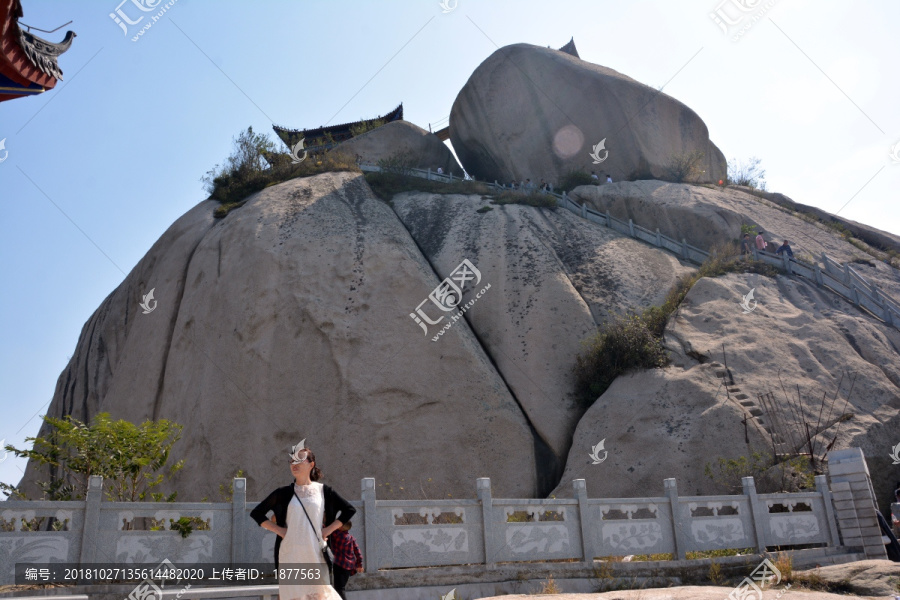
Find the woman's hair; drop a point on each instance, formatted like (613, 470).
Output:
(316, 473)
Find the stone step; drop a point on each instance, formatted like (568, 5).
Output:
(742, 396)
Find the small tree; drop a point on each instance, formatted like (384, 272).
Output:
(685, 167)
(247, 157)
(746, 172)
(129, 457)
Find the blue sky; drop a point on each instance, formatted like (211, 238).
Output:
(99, 167)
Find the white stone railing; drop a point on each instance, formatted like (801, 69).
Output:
(420, 533)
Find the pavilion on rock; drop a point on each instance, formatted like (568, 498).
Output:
(325, 138)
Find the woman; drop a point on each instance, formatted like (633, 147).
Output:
(302, 542)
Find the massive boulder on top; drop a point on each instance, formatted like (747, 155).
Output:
(532, 112)
(289, 319)
(399, 137)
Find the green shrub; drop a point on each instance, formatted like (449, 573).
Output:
(254, 165)
(685, 167)
(745, 228)
(400, 163)
(618, 346)
(573, 179)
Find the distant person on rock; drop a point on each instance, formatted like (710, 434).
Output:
(595, 176)
(745, 244)
(785, 248)
(544, 186)
(608, 179)
(440, 171)
(760, 242)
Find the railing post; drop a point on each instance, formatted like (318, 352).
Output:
(786, 262)
(91, 528)
(822, 488)
(678, 525)
(584, 211)
(854, 502)
(854, 292)
(684, 248)
(819, 281)
(847, 273)
(370, 517)
(756, 513)
(608, 219)
(658, 238)
(238, 519)
(428, 176)
(587, 548)
(551, 188)
(483, 490)
(631, 227)
(565, 200)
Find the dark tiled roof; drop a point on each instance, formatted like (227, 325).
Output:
(339, 133)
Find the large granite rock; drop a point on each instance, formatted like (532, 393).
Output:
(399, 137)
(669, 422)
(677, 210)
(289, 319)
(532, 112)
(553, 278)
(879, 578)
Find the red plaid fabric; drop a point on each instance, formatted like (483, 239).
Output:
(346, 552)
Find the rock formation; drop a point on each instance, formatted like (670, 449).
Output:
(553, 277)
(399, 137)
(670, 422)
(287, 320)
(534, 112)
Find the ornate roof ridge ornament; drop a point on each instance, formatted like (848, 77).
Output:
(569, 48)
(43, 53)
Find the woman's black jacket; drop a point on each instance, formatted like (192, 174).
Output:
(278, 501)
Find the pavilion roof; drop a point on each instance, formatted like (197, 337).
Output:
(339, 133)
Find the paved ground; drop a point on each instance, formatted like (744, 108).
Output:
(687, 593)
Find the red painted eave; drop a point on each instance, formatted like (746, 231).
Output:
(14, 63)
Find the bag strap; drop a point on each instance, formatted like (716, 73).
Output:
(321, 541)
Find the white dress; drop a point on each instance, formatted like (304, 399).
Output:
(301, 544)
